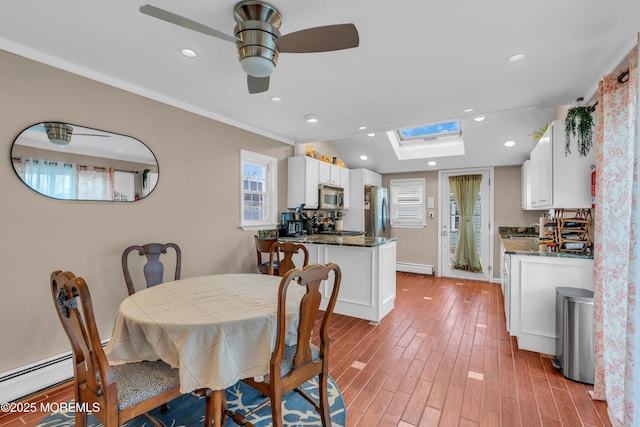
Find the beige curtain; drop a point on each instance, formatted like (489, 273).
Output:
(465, 190)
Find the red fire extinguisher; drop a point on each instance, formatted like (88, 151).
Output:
(593, 188)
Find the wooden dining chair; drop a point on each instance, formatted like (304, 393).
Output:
(283, 252)
(263, 246)
(119, 393)
(154, 268)
(291, 366)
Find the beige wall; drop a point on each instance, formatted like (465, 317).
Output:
(195, 204)
(420, 246)
(506, 210)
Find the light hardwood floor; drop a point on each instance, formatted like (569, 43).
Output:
(442, 357)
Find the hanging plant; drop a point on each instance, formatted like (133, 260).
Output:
(579, 124)
(145, 174)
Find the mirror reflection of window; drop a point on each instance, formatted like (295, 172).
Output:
(53, 179)
(84, 163)
(95, 183)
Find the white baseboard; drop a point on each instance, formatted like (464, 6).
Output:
(415, 268)
(31, 378)
(28, 379)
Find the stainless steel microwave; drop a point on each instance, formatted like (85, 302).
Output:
(330, 197)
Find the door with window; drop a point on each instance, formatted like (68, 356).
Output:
(451, 229)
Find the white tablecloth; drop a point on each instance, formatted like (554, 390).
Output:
(216, 329)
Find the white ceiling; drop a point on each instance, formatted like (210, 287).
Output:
(90, 142)
(418, 62)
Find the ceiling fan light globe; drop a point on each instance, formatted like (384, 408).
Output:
(257, 66)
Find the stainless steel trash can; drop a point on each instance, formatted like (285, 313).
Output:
(575, 354)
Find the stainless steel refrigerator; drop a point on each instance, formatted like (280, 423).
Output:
(376, 212)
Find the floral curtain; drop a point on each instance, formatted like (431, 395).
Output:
(617, 269)
(465, 190)
(96, 183)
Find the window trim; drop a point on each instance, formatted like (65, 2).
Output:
(421, 220)
(272, 190)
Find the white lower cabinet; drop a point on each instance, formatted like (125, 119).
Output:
(506, 285)
(368, 286)
(530, 296)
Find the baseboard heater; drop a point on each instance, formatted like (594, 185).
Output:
(416, 268)
(25, 380)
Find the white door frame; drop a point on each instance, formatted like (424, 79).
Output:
(487, 273)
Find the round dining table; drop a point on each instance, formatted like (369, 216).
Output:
(215, 329)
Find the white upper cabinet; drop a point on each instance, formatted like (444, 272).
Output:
(302, 182)
(330, 174)
(372, 178)
(306, 173)
(525, 202)
(556, 179)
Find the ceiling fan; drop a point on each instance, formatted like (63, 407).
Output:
(258, 39)
(60, 133)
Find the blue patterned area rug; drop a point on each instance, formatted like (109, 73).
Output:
(188, 410)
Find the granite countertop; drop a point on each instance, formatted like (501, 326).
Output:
(324, 239)
(524, 241)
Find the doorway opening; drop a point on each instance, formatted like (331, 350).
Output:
(449, 220)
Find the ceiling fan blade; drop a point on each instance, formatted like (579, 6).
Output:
(257, 84)
(181, 21)
(320, 39)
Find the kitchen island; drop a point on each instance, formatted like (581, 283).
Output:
(368, 265)
(530, 276)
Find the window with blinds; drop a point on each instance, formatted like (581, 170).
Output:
(408, 203)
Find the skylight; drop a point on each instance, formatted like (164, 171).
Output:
(430, 131)
(427, 141)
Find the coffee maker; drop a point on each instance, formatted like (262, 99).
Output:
(290, 224)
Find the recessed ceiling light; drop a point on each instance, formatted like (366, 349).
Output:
(431, 163)
(189, 53)
(479, 118)
(362, 127)
(468, 110)
(275, 99)
(509, 143)
(363, 157)
(311, 118)
(515, 58)
(371, 134)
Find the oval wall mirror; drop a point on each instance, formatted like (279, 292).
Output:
(71, 162)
